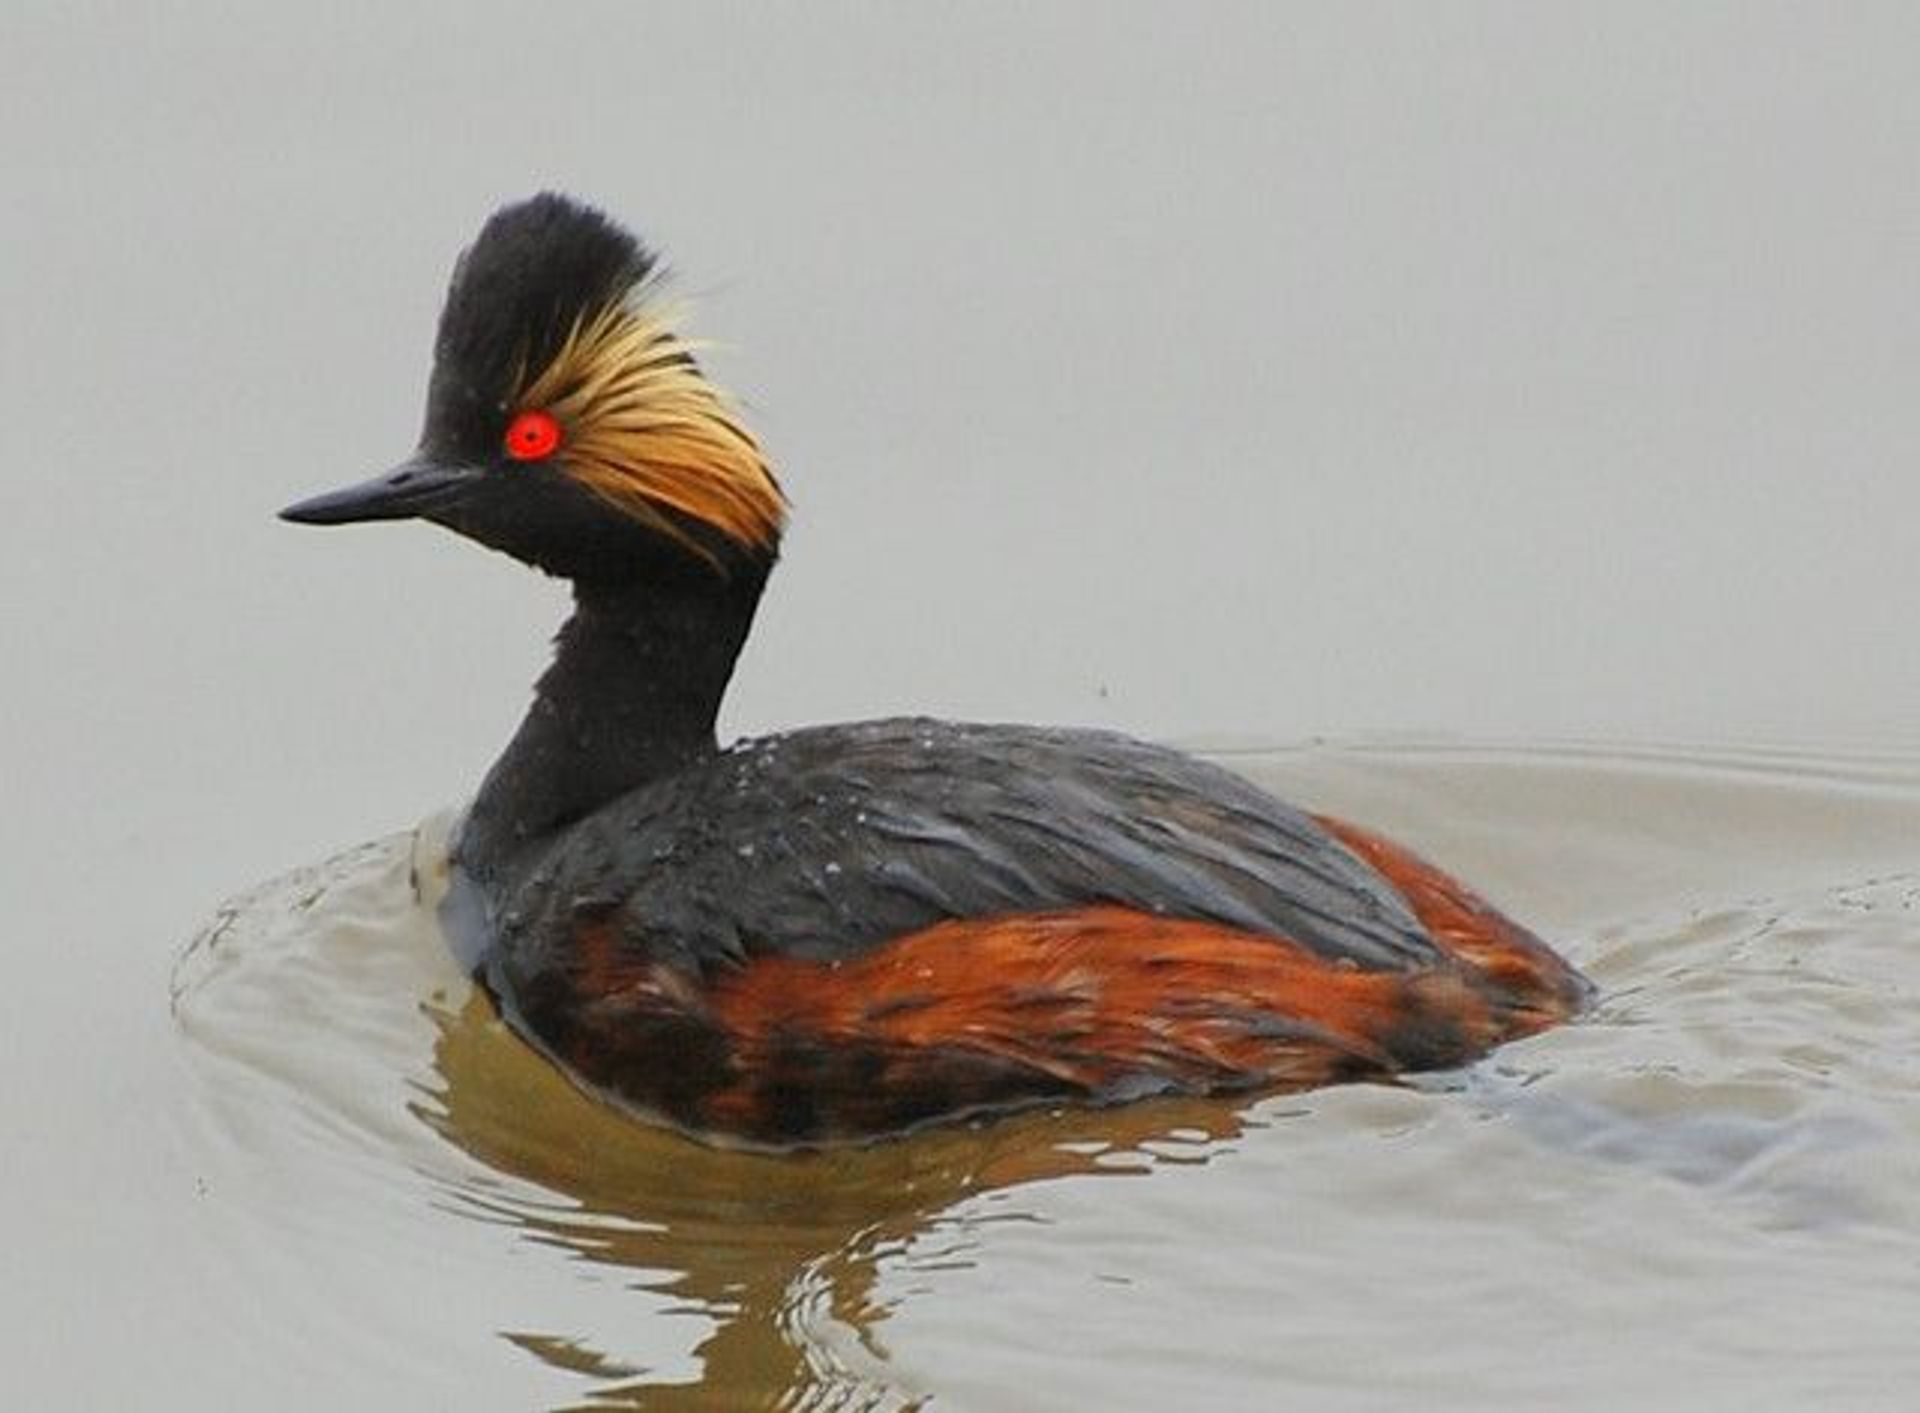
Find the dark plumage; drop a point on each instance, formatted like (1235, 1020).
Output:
(849, 930)
(515, 296)
(827, 842)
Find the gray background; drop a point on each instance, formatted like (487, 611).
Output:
(1261, 371)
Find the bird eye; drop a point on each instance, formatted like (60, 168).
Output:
(532, 435)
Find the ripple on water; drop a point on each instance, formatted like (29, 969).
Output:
(1710, 1184)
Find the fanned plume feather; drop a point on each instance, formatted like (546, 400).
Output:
(645, 430)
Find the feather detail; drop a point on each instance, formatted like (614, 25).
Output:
(648, 433)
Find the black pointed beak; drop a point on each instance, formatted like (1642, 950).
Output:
(416, 487)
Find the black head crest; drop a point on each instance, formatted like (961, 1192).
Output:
(537, 270)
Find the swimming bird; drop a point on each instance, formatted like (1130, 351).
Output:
(849, 931)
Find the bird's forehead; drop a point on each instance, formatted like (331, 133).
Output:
(536, 271)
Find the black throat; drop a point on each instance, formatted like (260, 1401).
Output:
(631, 697)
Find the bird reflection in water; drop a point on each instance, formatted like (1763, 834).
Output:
(763, 1245)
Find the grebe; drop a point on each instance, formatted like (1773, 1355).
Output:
(850, 931)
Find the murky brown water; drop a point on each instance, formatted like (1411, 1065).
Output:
(1708, 1191)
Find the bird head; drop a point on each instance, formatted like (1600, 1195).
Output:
(568, 423)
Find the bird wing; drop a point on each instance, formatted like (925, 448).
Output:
(825, 843)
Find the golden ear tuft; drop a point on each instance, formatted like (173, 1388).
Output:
(647, 432)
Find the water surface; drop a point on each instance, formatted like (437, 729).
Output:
(1707, 1190)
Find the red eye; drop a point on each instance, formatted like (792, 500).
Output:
(532, 435)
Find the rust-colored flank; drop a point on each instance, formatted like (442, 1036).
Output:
(1537, 987)
(1095, 1004)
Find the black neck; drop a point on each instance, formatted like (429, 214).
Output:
(635, 686)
